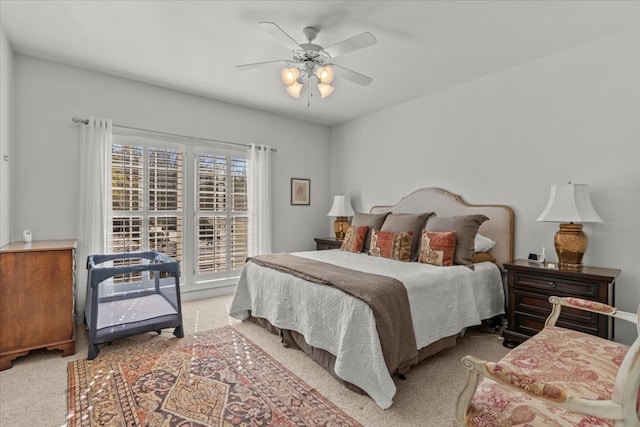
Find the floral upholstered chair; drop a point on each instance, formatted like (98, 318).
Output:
(559, 377)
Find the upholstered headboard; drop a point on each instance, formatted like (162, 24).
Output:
(499, 228)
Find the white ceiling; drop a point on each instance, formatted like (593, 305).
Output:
(423, 46)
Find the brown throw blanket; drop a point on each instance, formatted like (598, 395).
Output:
(386, 296)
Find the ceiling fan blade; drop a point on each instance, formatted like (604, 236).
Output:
(354, 76)
(251, 66)
(277, 32)
(349, 45)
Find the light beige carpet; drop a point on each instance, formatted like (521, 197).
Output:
(33, 392)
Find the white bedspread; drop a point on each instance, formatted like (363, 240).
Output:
(443, 301)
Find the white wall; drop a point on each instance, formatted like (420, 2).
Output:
(45, 149)
(6, 89)
(506, 138)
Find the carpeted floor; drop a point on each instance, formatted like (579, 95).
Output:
(34, 391)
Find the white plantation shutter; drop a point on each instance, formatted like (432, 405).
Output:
(146, 199)
(148, 209)
(239, 218)
(165, 183)
(196, 214)
(127, 192)
(221, 212)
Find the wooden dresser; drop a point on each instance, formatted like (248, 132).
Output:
(530, 285)
(37, 298)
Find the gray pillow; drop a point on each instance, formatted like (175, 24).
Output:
(399, 222)
(373, 221)
(466, 228)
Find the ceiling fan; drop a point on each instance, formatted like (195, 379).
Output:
(311, 61)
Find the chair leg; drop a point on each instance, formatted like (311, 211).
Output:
(464, 399)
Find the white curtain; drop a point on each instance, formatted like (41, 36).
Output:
(95, 146)
(259, 203)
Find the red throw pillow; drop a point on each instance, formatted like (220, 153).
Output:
(437, 248)
(391, 245)
(354, 239)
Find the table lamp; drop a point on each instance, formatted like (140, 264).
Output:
(570, 205)
(341, 209)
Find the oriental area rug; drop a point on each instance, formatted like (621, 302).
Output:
(211, 378)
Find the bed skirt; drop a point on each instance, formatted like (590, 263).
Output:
(327, 360)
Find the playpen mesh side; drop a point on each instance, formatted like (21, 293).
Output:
(152, 292)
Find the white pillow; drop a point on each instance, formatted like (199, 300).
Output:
(482, 243)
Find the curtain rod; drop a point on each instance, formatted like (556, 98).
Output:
(86, 122)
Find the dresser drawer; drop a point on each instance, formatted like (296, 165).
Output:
(324, 246)
(532, 309)
(325, 243)
(556, 286)
(530, 324)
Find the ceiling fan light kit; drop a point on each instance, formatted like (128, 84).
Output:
(289, 75)
(293, 80)
(325, 89)
(294, 89)
(311, 61)
(325, 74)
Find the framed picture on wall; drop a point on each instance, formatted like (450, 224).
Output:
(300, 191)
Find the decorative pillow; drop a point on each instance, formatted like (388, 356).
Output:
(437, 248)
(373, 221)
(482, 256)
(354, 239)
(482, 243)
(466, 228)
(398, 222)
(391, 245)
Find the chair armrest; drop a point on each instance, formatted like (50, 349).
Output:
(586, 305)
(532, 386)
(504, 374)
(536, 388)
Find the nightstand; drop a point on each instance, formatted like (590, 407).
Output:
(323, 243)
(530, 285)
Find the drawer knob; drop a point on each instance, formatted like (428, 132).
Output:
(552, 284)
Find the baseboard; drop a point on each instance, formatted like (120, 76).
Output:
(196, 294)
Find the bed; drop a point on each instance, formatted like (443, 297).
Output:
(350, 337)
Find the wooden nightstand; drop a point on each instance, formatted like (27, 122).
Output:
(323, 243)
(530, 285)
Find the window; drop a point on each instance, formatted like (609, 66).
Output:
(161, 203)
(221, 211)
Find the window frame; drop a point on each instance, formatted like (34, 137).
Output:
(190, 279)
(228, 214)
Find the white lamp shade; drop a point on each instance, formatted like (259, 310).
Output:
(289, 75)
(569, 203)
(325, 90)
(325, 74)
(341, 206)
(294, 89)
